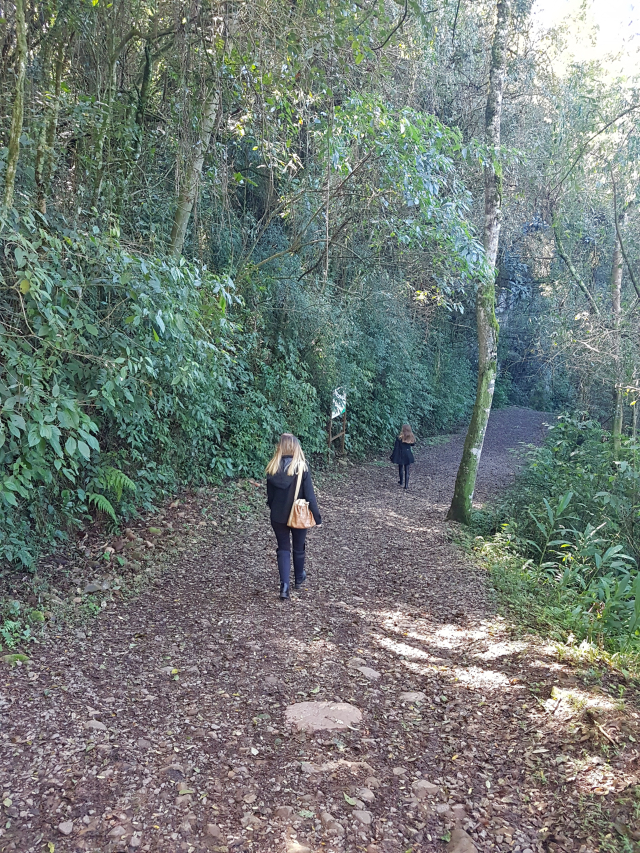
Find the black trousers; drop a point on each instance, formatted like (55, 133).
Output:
(405, 478)
(283, 535)
(283, 531)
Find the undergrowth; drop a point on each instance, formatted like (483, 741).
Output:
(123, 378)
(562, 545)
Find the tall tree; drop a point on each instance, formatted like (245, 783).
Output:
(189, 189)
(46, 141)
(486, 321)
(616, 306)
(17, 115)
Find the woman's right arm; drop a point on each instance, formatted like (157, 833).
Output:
(269, 492)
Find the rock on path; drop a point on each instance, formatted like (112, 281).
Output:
(163, 727)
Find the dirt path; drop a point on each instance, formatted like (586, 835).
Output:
(160, 727)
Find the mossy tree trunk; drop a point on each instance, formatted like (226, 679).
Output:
(17, 113)
(103, 128)
(487, 324)
(616, 301)
(44, 153)
(191, 182)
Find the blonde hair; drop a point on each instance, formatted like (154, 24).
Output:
(406, 434)
(288, 446)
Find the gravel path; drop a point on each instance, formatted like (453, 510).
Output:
(160, 725)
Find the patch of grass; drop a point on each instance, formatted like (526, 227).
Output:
(436, 440)
(549, 610)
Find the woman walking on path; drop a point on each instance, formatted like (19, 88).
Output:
(402, 454)
(282, 481)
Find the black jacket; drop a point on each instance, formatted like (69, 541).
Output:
(402, 453)
(281, 490)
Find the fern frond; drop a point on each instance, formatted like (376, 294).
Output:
(117, 481)
(102, 504)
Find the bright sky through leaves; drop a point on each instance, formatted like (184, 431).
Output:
(598, 30)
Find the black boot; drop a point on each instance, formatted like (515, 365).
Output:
(284, 568)
(400, 474)
(406, 477)
(298, 568)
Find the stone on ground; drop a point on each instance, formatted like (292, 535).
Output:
(366, 794)
(371, 674)
(422, 789)
(363, 816)
(413, 697)
(294, 846)
(461, 842)
(318, 716)
(284, 812)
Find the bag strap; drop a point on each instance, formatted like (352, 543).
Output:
(295, 498)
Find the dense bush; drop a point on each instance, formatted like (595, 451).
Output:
(573, 517)
(111, 375)
(123, 376)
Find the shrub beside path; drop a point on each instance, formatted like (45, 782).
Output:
(165, 724)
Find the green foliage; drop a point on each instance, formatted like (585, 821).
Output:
(569, 531)
(332, 192)
(18, 623)
(108, 361)
(121, 377)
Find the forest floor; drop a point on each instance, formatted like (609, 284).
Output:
(159, 725)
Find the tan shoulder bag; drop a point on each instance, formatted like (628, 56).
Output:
(300, 516)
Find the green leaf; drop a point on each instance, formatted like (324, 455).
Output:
(55, 443)
(18, 421)
(71, 445)
(84, 449)
(91, 440)
(10, 498)
(103, 505)
(350, 800)
(34, 436)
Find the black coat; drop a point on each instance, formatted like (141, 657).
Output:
(281, 491)
(402, 453)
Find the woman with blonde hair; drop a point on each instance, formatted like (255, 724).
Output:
(282, 481)
(402, 454)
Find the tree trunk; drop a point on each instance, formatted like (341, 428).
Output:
(17, 116)
(189, 187)
(44, 154)
(103, 128)
(144, 91)
(487, 324)
(593, 305)
(616, 300)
